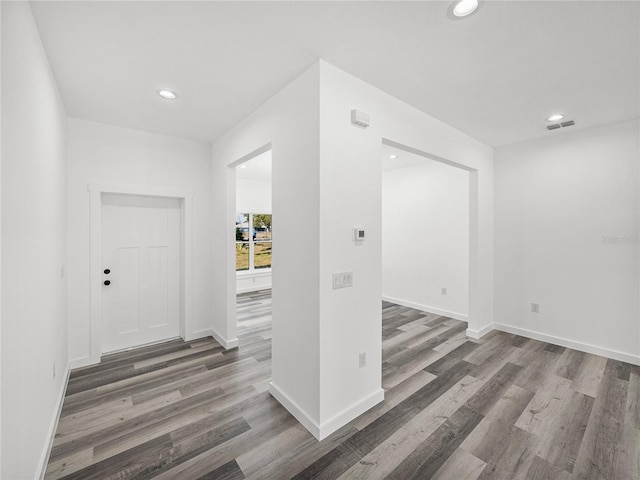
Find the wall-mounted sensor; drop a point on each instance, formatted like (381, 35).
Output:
(360, 119)
(358, 234)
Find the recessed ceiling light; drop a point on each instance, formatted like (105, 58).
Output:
(465, 7)
(555, 117)
(243, 166)
(393, 156)
(168, 94)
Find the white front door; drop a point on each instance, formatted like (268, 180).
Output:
(141, 255)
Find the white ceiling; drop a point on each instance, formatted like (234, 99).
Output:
(495, 75)
(258, 168)
(403, 159)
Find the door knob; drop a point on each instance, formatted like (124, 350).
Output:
(107, 282)
(107, 271)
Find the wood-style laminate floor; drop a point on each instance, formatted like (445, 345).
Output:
(504, 407)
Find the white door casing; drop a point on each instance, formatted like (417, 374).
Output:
(185, 198)
(141, 252)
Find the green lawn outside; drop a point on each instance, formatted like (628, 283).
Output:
(262, 255)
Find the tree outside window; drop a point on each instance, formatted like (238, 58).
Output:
(253, 241)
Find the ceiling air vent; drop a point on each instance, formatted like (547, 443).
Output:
(556, 126)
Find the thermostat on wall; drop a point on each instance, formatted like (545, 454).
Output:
(358, 234)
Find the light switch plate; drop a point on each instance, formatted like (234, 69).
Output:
(342, 280)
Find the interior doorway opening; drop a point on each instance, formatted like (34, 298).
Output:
(253, 223)
(427, 225)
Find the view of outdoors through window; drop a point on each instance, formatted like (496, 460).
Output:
(253, 241)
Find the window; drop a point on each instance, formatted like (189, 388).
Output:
(253, 241)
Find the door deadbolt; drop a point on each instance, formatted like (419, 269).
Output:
(107, 271)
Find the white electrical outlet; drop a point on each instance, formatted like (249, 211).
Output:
(535, 308)
(444, 290)
(362, 360)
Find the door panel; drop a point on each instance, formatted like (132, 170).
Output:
(159, 283)
(141, 248)
(123, 292)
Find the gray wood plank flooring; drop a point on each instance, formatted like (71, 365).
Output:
(504, 407)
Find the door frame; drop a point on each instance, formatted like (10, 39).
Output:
(474, 294)
(186, 257)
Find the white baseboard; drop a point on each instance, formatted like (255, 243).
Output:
(426, 308)
(227, 344)
(303, 417)
(87, 360)
(53, 426)
(205, 332)
(326, 428)
(565, 342)
(479, 333)
(81, 362)
(354, 411)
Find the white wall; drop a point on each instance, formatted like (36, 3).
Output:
(567, 238)
(403, 124)
(34, 327)
(289, 121)
(327, 171)
(351, 196)
(425, 237)
(103, 154)
(253, 196)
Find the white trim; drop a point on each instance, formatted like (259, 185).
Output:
(354, 411)
(143, 345)
(96, 191)
(251, 155)
(53, 426)
(227, 344)
(205, 332)
(244, 277)
(230, 286)
(303, 417)
(336, 422)
(253, 288)
(256, 273)
(86, 360)
(187, 266)
(420, 153)
(479, 309)
(426, 308)
(565, 342)
(472, 333)
(142, 190)
(80, 362)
